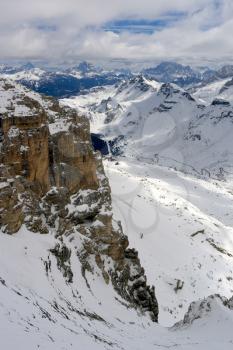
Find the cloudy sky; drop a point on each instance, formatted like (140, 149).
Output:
(103, 29)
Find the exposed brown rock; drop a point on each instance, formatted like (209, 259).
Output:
(25, 148)
(11, 214)
(72, 156)
(51, 179)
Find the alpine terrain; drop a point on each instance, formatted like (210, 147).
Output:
(116, 207)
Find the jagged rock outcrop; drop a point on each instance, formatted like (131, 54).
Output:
(25, 147)
(72, 162)
(202, 308)
(52, 181)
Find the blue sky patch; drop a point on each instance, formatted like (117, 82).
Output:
(143, 26)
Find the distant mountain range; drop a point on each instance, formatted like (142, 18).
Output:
(184, 76)
(66, 82)
(62, 83)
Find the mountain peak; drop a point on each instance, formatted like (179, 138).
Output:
(172, 72)
(27, 66)
(86, 67)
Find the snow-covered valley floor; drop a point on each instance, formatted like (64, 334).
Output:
(182, 228)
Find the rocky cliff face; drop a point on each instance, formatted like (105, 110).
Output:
(52, 181)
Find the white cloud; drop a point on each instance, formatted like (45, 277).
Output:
(58, 29)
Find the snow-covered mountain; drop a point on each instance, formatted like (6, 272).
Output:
(40, 310)
(53, 187)
(66, 82)
(63, 82)
(142, 118)
(171, 186)
(8, 69)
(172, 72)
(225, 71)
(207, 93)
(85, 69)
(186, 76)
(32, 74)
(221, 89)
(171, 179)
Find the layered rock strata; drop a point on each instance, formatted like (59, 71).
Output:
(52, 181)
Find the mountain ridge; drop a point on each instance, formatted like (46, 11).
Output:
(74, 263)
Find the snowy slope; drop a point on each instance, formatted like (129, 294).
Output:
(182, 228)
(42, 310)
(38, 309)
(98, 105)
(226, 91)
(209, 92)
(181, 225)
(220, 89)
(167, 185)
(34, 74)
(161, 122)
